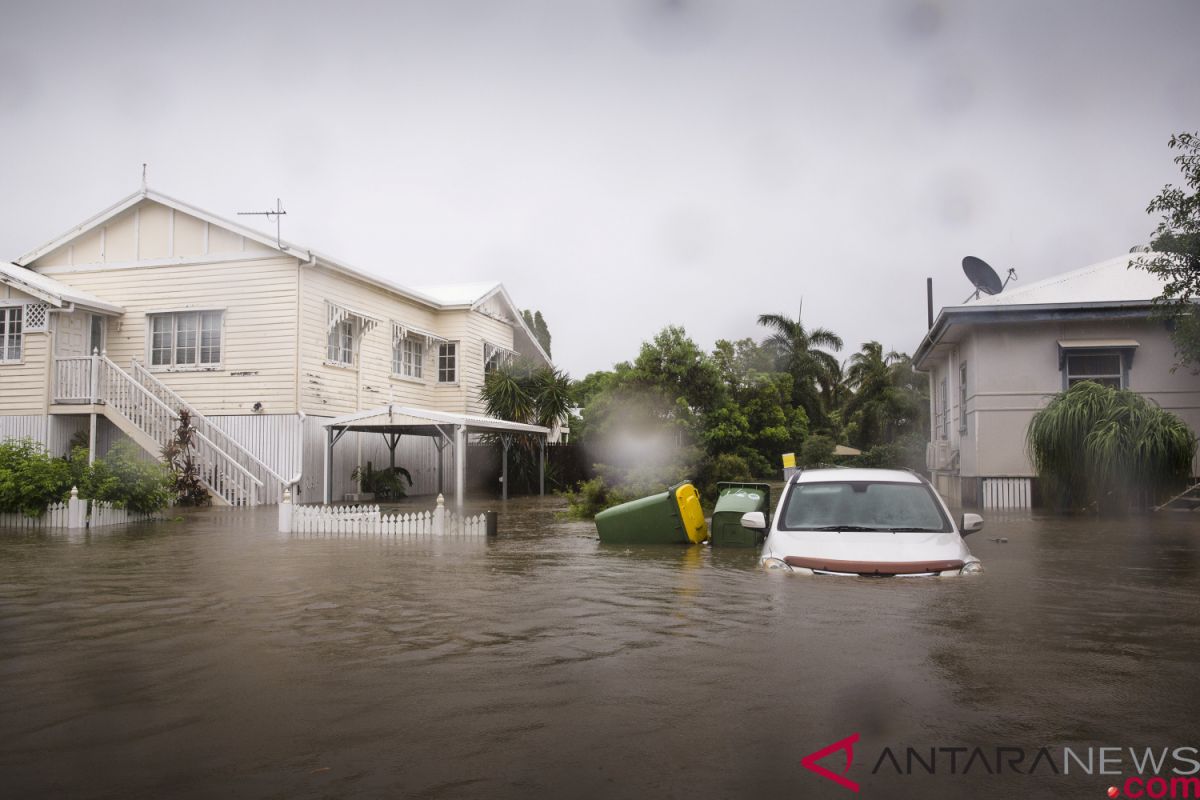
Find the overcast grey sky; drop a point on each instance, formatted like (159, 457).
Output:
(621, 165)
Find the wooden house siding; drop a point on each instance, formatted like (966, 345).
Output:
(258, 298)
(152, 258)
(332, 390)
(23, 386)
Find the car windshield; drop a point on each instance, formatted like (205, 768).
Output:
(863, 505)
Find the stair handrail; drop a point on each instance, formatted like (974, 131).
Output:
(141, 370)
(174, 415)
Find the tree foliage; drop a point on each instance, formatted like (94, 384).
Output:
(1175, 255)
(30, 479)
(1095, 446)
(816, 374)
(677, 413)
(537, 324)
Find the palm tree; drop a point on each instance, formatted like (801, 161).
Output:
(815, 373)
(870, 377)
(519, 392)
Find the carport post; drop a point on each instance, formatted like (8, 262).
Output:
(460, 463)
(505, 441)
(328, 482)
(542, 466)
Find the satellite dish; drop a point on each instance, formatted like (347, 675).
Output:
(983, 277)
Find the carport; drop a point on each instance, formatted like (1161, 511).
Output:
(444, 428)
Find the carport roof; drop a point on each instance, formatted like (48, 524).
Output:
(394, 418)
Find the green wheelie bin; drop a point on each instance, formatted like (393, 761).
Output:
(670, 517)
(733, 500)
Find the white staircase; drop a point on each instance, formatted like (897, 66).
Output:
(272, 483)
(144, 409)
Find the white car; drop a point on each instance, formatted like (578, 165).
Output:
(869, 522)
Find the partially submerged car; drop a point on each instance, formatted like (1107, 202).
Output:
(867, 522)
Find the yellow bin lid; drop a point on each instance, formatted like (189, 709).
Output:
(691, 513)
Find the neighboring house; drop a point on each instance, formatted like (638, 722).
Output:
(995, 361)
(263, 339)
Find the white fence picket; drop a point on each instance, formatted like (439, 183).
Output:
(357, 521)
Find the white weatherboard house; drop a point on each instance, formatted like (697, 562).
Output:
(995, 361)
(264, 341)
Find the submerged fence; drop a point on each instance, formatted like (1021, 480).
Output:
(74, 514)
(370, 520)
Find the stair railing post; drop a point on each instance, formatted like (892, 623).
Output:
(93, 398)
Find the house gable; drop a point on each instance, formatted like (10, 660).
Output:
(147, 232)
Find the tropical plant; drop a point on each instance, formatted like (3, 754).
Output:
(521, 392)
(886, 397)
(178, 454)
(1098, 447)
(815, 373)
(30, 479)
(1176, 249)
(386, 484)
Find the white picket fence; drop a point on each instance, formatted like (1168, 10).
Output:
(56, 516)
(371, 521)
(76, 513)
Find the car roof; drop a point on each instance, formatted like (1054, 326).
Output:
(856, 475)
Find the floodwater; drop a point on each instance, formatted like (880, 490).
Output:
(212, 657)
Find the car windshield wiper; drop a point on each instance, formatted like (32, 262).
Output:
(840, 528)
(915, 530)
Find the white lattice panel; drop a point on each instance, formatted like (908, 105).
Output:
(37, 316)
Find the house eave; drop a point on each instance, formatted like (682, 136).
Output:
(1041, 312)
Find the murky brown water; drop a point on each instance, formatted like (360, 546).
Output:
(213, 658)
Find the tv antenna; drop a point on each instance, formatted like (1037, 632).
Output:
(277, 213)
(984, 278)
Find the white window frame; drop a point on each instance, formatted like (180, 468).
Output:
(495, 356)
(457, 363)
(1121, 376)
(408, 358)
(339, 351)
(12, 315)
(196, 364)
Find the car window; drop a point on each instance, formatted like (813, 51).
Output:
(862, 504)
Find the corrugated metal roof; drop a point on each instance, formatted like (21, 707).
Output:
(458, 294)
(1111, 281)
(46, 287)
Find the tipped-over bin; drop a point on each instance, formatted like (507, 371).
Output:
(735, 499)
(670, 517)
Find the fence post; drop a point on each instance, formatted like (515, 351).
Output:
(76, 510)
(285, 512)
(491, 523)
(439, 517)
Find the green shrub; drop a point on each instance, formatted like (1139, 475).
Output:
(591, 498)
(385, 484)
(122, 478)
(816, 450)
(30, 480)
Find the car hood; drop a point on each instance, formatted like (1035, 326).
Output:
(857, 547)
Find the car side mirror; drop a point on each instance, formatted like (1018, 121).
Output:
(971, 523)
(754, 520)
